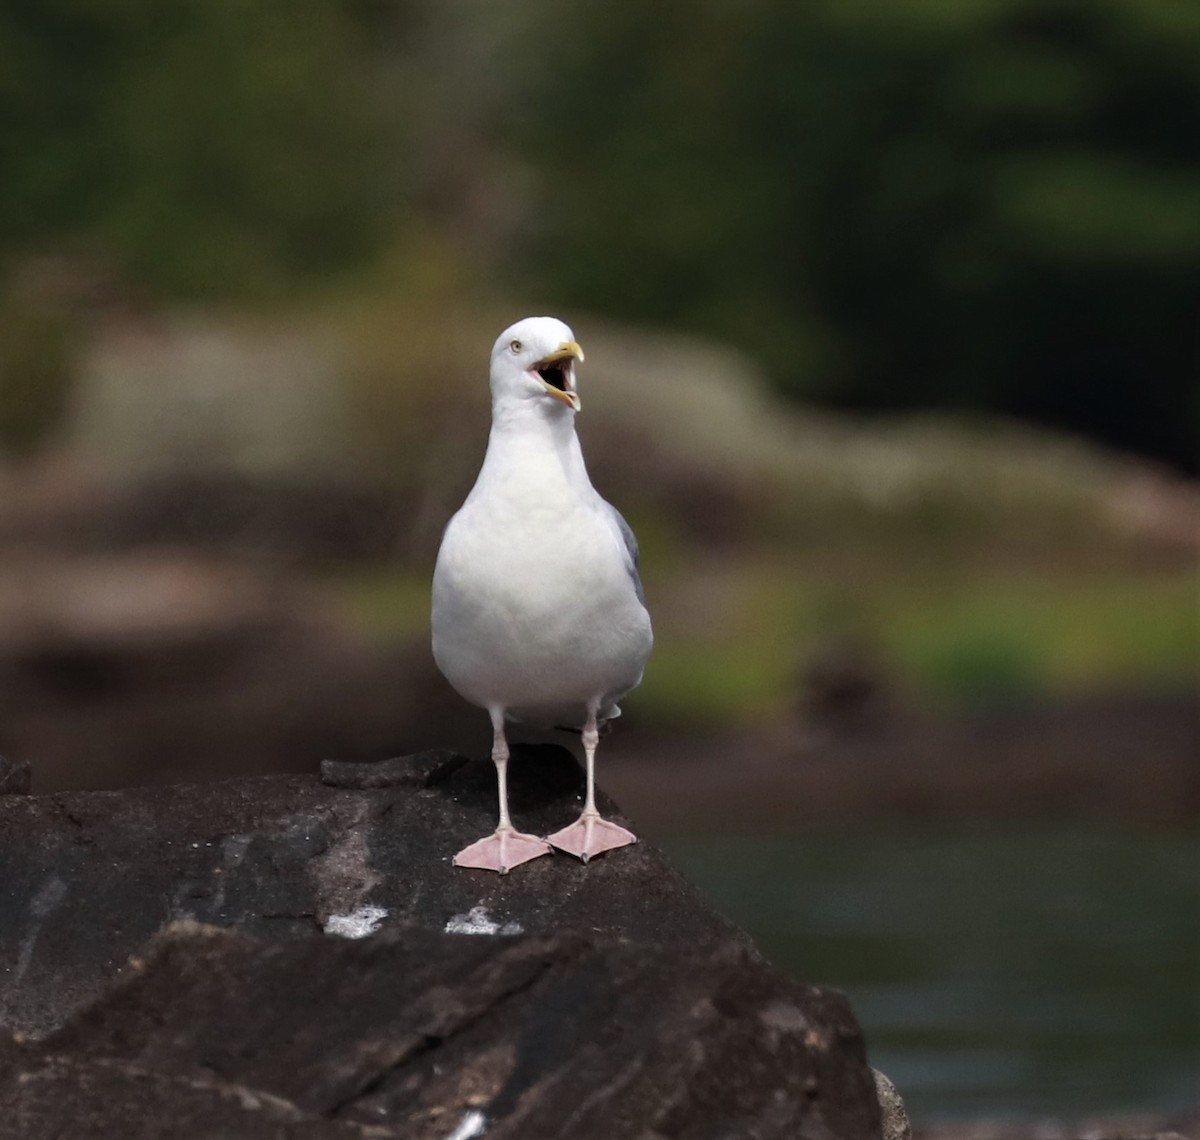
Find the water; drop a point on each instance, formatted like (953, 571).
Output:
(996, 970)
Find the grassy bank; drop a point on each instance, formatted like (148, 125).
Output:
(732, 635)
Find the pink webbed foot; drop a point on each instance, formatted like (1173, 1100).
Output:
(590, 835)
(501, 851)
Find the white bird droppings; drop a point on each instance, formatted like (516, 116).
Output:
(478, 921)
(357, 924)
(472, 1124)
(785, 1017)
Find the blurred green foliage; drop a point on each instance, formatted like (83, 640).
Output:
(36, 348)
(218, 147)
(730, 651)
(966, 203)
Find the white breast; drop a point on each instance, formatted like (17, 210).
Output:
(534, 606)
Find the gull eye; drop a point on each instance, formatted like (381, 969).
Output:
(515, 345)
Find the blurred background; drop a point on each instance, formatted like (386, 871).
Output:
(890, 314)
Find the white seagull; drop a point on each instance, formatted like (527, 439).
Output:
(538, 611)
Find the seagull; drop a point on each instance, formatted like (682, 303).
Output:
(538, 611)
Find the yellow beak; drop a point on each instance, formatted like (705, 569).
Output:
(568, 350)
(558, 364)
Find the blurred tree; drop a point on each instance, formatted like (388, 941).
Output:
(987, 204)
(205, 146)
(893, 204)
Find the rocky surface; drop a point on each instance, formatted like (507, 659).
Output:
(414, 1034)
(15, 777)
(171, 958)
(894, 1120)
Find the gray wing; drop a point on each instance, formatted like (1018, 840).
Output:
(631, 548)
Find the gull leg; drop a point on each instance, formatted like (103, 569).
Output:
(590, 834)
(506, 847)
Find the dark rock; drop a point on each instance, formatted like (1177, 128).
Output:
(420, 771)
(15, 777)
(100, 1100)
(408, 1033)
(89, 876)
(620, 1005)
(894, 1116)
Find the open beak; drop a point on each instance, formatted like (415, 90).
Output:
(557, 372)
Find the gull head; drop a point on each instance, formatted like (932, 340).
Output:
(535, 360)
